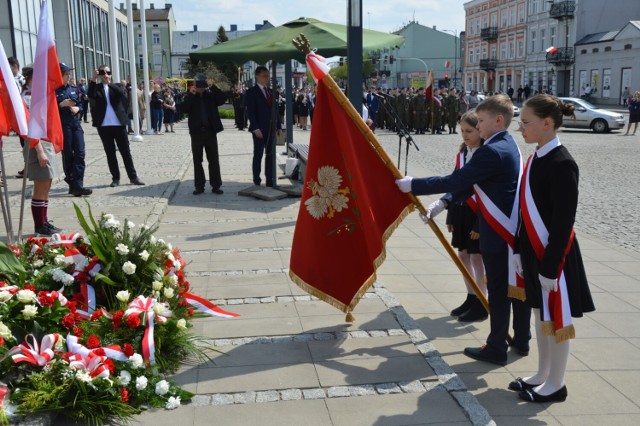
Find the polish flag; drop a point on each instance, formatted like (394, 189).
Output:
(552, 49)
(44, 122)
(447, 64)
(13, 112)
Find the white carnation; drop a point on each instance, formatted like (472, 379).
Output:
(37, 263)
(141, 383)
(5, 333)
(144, 255)
(59, 259)
(156, 285)
(25, 296)
(111, 223)
(123, 295)
(29, 311)
(159, 309)
(83, 376)
(122, 249)
(181, 324)
(136, 361)
(173, 403)
(108, 216)
(125, 377)
(162, 387)
(61, 276)
(168, 292)
(129, 268)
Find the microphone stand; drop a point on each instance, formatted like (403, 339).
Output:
(401, 130)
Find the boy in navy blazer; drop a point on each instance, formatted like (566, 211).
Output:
(493, 174)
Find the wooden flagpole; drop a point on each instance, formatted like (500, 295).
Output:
(303, 45)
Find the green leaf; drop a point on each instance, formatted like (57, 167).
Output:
(106, 279)
(8, 261)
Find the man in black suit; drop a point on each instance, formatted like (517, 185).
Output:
(109, 105)
(259, 101)
(204, 125)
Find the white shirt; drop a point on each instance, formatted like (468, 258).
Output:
(110, 117)
(553, 143)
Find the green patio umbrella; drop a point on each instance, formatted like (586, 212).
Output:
(275, 43)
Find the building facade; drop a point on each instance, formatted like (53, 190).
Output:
(495, 36)
(80, 28)
(408, 65)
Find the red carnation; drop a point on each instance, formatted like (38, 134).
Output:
(68, 321)
(67, 355)
(29, 287)
(1, 341)
(124, 395)
(45, 298)
(82, 277)
(83, 249)
(128, 349)
(110, 365)
(3, 283)
(189, 312)
(96, 314)
(117, 318)
(77, 331)
(100, 352)
(93, 342)
(133, 321)
(72, 305)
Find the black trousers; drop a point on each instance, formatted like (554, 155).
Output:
(497, 270)
(73, 154)
(110, 137)
(206, 140)
(259, 148)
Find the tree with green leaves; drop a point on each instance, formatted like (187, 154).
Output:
(222, 35)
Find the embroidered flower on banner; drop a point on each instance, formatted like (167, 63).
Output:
(327, 197)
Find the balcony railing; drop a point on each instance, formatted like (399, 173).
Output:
(488, 64)
(562, 56)
(489, 33)
(563, 9)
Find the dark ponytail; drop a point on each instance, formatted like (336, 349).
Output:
(544, 106)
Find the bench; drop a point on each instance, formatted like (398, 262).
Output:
(301, 152)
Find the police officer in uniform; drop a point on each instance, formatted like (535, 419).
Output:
(70, 105)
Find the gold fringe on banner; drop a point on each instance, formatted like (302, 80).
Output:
(516, 293)
(548, 328)
(565, 333)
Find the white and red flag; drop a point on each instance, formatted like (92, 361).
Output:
(13, 112)
(44, 122)
(552, 49)
(447, 64)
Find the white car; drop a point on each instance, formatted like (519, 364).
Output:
(589, 116)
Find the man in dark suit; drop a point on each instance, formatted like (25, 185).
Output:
(204, 125)
(373, 104)
(109, 105)
(264, 124)
(493, 172)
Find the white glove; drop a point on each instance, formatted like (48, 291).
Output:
(424, 218)
(404, 184)
(548, 284)
(517, 263)
(435, 209)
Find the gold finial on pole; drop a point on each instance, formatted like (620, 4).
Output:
(302, 44)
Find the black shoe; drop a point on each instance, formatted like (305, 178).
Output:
(48, 229)
(477, 312)
(520, 350)
(20, 174)
(217, 191)
(484, 354)
(137, 181)
(80, 192)
(198, 191)
(466, 305)
(530, 395)
(114, 183)
(520, 385)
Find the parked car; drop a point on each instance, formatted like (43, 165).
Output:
(516, 110)
(589, 116)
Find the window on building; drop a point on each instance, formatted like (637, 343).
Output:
(494, 20)
(484, 52)
(512, 21)
(485, 22)
(478, 26)
(552, 35)
(139, 39)
(512, 50)
(140, 62)
(155, 38)
(583, 52)
(503, 51)
(470, 56)
(493, 52)
(155, 25)
(627, 47)
(157, 60)
(521, 14)
(543, 44)
(503, 20)
(533, 7)
(607, 49)
(183, 64)
(520, 48)
(478, 54)
(595, 50)
(533, 42)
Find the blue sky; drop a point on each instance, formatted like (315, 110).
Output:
(380, 15)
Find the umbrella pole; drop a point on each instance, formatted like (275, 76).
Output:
(273, 127)
(288, 90)
(24, 189)
(4, 197)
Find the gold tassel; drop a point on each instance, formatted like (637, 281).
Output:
(516, 293)
(548, 328)
(565, 333)
(350, 317)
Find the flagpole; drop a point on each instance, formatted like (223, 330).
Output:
(371, 138)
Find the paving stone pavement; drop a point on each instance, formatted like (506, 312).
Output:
(291, 359)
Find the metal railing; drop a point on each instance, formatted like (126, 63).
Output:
(562, 9)
(488, 64)
(562, 56)
(489, 33)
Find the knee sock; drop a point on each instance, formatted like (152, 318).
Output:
(558, 354)
(478, 272)
(544, 361)
(39, 212)
(465, 258)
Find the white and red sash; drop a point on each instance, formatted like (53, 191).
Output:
(460, 162)
(505, 227)
(556, 312)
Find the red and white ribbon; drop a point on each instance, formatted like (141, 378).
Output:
(62, 240)
(317, 65)
(471, 201)
(91, 363)
(112, 351)
(35, 353)
(555, 305)
(203, 305)
(144, 306)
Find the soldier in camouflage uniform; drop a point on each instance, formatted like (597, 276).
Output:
(453, 110)
(402, 107)
(419, 112)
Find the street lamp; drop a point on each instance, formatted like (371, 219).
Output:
(455, 56)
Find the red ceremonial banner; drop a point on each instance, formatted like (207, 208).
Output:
(350, 206)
